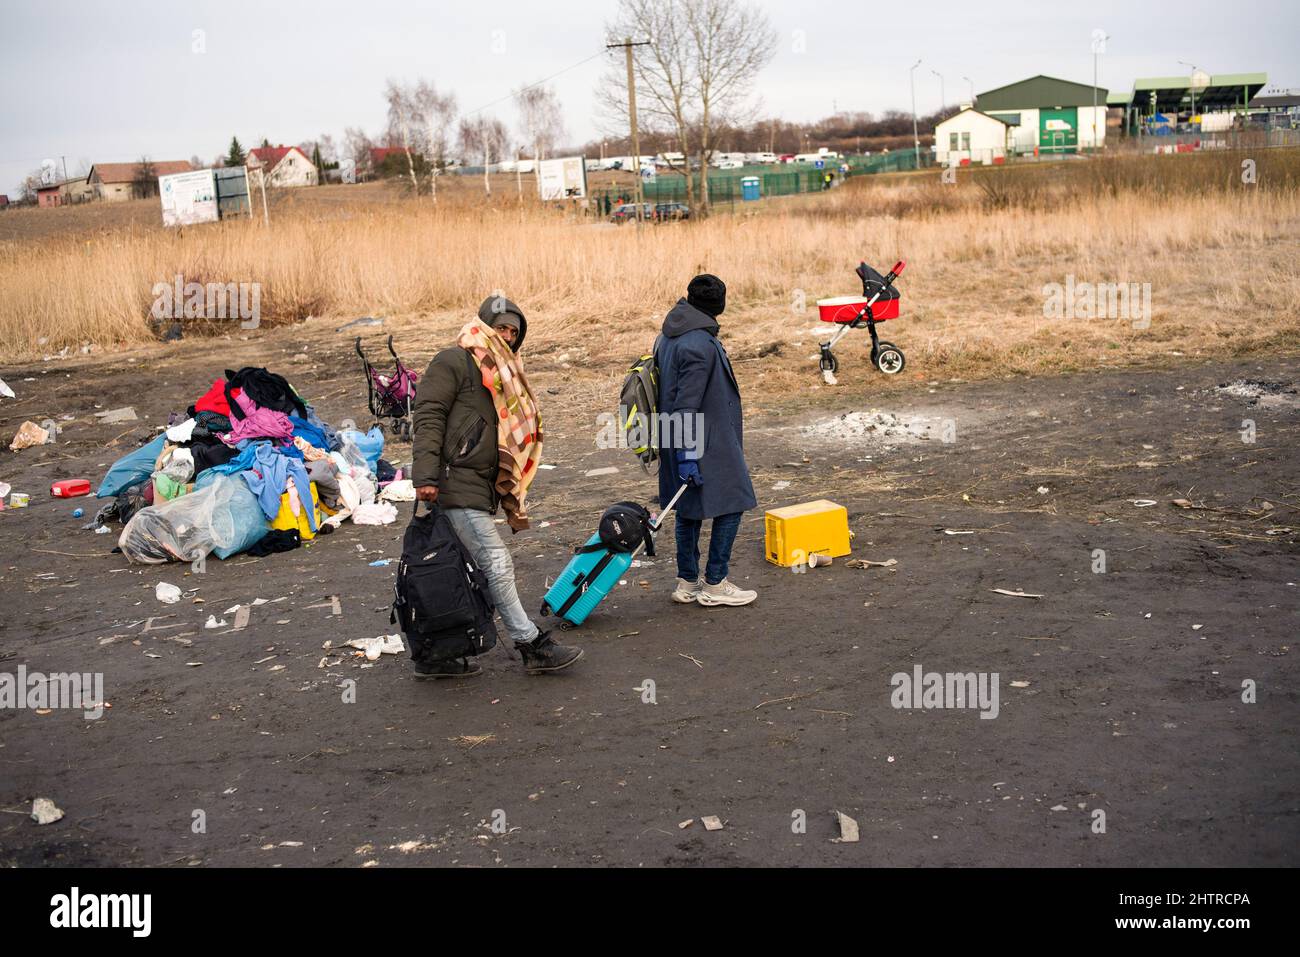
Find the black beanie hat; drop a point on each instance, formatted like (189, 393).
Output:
(708, 294)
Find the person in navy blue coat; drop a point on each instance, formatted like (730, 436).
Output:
(701, 443)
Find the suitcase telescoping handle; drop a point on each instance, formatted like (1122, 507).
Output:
(654, 526)
(669, 507)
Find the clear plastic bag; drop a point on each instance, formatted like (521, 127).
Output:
(222, 517)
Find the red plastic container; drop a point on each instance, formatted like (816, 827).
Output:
(70, 488)
(846, 308)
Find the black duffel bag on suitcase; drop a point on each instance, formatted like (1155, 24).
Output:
(440, 598)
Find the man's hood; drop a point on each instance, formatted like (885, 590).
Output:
(684, 317)
(493, 306)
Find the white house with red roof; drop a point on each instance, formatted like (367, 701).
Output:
(284, 165)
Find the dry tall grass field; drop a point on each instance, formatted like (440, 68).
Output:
(1222, 259)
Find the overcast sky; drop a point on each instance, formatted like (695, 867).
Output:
(108, 82)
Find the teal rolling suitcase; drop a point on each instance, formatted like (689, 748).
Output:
(590, 576)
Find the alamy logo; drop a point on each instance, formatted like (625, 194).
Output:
(1098, 300)
(667, 430)
(103, 910)
(214, 300)
(33, 690)
(946, 690)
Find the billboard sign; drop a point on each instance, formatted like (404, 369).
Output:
(563, 178)
(188, 198)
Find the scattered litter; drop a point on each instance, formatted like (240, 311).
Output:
(958, 531)
(5, 391)
(167, 593)
(102, 530)
(261, 661)
(1020, 684)
(607, 470)
(865, 563)
(113, 416)
(547, 467)
(683, 825)
(362, 323)
(1014, 594)
(1143, 502)
(848, 829)
(783, 484)
(19, 499)
(711, 822)
(381, 645)
(853, 427)
(44, 811)
(241, 618)
(212, 622)
(1059, 807)
(380, 562)
(1043, 490)
(28, 434)
(1197, 627)
(698, 663)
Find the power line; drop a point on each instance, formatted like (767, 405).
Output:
(530, 86)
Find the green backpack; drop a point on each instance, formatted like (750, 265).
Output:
(637, 404)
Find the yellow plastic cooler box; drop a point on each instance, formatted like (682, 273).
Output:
(813, 528)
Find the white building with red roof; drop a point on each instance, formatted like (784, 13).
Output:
(284, 165)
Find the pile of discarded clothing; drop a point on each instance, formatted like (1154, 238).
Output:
(248, 468)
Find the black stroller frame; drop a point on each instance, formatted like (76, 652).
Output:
(397, 411)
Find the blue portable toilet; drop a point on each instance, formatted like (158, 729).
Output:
(749, 189)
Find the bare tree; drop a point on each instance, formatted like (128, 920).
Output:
(437, 112)
(145, 181)
(695, 76)
(485, 137)
(541, 120)
(357, 146)
(662, 72)
(404, 123)
(732, 41)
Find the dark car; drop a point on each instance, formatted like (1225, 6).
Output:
(672, 211)
(626, 212)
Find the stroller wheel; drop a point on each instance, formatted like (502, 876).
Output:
(890, 359)
(828, 362)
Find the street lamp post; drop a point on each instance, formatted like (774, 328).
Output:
(1191, 85)
(1099, 38)
(916, 137)
(943, 99)
(972, 89)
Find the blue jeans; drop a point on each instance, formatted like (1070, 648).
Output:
(721, 538)
(478, 533)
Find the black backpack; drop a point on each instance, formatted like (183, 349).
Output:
(623, 527)
(440, 598)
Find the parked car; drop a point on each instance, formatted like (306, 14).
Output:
(665, 211)
(626, 212)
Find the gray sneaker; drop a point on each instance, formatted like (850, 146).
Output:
(725, 593)
(686, 592)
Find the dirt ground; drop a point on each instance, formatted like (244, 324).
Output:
(1120, 691)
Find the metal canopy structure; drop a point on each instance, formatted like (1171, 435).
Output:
(1176, 94)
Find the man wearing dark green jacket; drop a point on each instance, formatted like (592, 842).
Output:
(455, 464)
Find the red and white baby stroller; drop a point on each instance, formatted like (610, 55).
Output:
(878, 302)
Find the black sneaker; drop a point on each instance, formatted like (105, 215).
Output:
(544, 654)
(452, 668)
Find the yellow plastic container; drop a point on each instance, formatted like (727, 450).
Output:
(813, 528)
(285, 519)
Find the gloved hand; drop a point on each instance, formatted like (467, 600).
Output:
(426, 493)
(688, 472)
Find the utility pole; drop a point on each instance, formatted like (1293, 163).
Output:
(627, 46)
